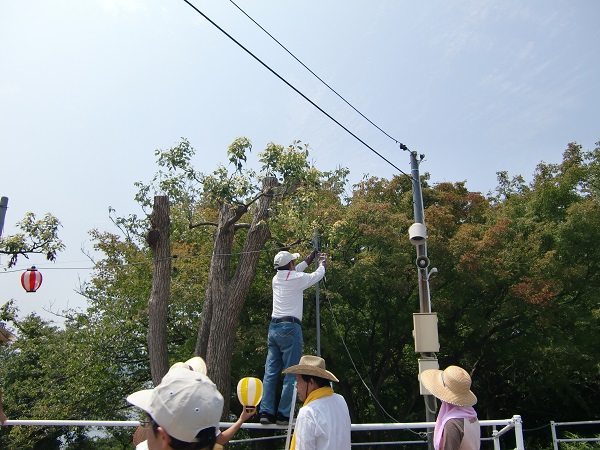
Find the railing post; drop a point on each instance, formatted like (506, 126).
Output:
(553, 429)
(519, 432)
(288, 438)
(496, 438)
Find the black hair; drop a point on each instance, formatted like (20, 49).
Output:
(288, 266)
(320, 382)
(206, 439)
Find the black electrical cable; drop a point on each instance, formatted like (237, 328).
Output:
(314, 74)
(148, 261)
(295, 89)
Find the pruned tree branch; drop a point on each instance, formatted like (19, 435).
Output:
(202, 224)
(282, 246)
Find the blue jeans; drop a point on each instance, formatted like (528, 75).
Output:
(285, 349)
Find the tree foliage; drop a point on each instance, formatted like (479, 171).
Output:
(37, 237)
(239, 206)
(516, 291)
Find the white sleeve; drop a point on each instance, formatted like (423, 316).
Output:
(308, 279)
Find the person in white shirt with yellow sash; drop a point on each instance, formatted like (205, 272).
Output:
(323, 421)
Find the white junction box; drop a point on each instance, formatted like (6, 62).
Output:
(425, 332)
(425, 364)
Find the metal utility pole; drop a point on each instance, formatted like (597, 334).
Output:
(418, 237)
(3, 208)
(317, 305)
(422, 260)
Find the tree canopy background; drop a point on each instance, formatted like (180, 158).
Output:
(516, 295)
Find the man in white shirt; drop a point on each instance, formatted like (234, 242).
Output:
(285, 331)
(323, 421)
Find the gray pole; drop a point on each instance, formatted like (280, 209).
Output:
(317, 306)
(423, 277)
(3, 208)
(420, 218)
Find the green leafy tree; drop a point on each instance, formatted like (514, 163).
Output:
(37, 237)
(516, 291)
(518, 301)
(240, 207)
(80, 372)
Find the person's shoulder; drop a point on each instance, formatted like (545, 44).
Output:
(340, 401)
(306, 412)
(339, 398)
(457, 424)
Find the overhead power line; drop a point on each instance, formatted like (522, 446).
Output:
(314, 74)
(296, 90)
(174, 258)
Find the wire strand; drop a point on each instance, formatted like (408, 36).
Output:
(295, 89)
(337, 328)
(314, 74)
(149, 261)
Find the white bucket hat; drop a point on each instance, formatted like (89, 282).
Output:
(184, 403)
(197, 364)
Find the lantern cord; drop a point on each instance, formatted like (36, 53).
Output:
(148, 261)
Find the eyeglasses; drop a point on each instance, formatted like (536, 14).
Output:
(147, 421)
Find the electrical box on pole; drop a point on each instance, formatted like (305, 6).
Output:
(426, 364)
(425, 332)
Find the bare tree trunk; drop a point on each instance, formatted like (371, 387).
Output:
(158, 304)
(227, 290)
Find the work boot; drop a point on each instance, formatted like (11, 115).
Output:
(282, 420)
(266, 418)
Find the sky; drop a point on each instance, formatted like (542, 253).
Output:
(90, 89)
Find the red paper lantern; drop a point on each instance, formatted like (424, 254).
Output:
(31, 280)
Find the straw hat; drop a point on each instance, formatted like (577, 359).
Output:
(452, 385)
(311, 365)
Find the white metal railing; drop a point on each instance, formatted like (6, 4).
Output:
(74, 423)
(508, 424)
(556, 441)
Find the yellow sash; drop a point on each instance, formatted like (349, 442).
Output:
(317, 393)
